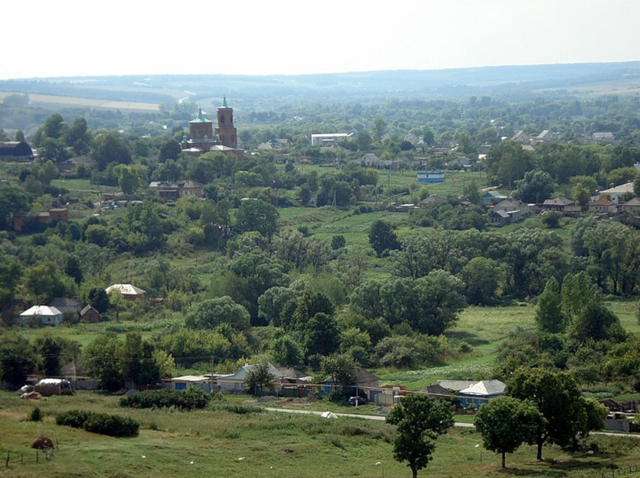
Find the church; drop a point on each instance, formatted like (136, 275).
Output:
(204, 139)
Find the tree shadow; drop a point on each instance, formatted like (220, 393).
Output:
(466, 336)
(557, 468)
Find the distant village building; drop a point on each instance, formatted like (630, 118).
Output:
(605, 137)
(325, 139)
(616, 194)
(492, 197)
(127, 291)
(521, 137)
(53, 215)
(90, 314)
(602, 205)
(430, 177)
(544, 137)
(511, 204)
(557, 204)
(47, 315)
(66, 305)
(204, 138)
(480, 393)
(632, 205)
(171, 191)
(432, 199)
(15, 151)
(70, 165)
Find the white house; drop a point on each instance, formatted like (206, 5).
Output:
(616, 194)
(47, 315)
(324, 139)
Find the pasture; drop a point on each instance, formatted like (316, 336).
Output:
(218, 442)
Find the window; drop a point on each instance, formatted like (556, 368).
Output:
(181, 386)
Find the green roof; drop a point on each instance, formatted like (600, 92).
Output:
(201, 118)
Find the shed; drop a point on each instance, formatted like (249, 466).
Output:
(90, 314)
(48, 315)
(15, 151)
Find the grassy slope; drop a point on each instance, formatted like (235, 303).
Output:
(272, 444)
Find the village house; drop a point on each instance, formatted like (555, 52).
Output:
(325, 139)
(481, 392)
(618, 193)
(44, 314)
(53, 215)
(492, 197)
(631, 206)
(66, 305)
(557, 204)
(602, 205)
(127, 291)
(511, 204)
(172, 191)
(431, 199)
(71, 165)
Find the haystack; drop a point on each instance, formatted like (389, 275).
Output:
(31, 396)
(42, 443)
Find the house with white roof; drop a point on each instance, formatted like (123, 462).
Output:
(616, 194)
(128, 291)
(47, 315)
(481, 392)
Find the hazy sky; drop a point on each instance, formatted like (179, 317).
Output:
(43, 38)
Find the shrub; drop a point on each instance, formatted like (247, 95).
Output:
(103, 423)
(111, 425)
(237, 408)
(35, 415)
(189, 399)
(72, 418)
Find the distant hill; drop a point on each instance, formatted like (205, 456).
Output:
(247, 92)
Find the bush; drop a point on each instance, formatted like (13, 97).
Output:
(73, 418)
(103, 423)
(237, 408)
(189, 399)
(111, 425)
(35, 415)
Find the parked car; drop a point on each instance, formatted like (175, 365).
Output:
(353, 401)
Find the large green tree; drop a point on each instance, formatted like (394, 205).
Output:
(505, 423)
(420, 420)
(257, 215)
(549, 314)
(17, 358)
(210, 313)
(558, 399)
(382, 237)
(508, 162)
(109, 148)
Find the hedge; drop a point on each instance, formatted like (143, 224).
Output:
(191, 398)
(103, 423)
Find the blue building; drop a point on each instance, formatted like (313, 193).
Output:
(430, 177)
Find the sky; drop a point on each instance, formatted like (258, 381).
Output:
(258, 37)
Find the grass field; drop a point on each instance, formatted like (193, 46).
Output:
(69, 101)
(211, 442)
